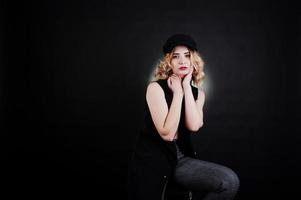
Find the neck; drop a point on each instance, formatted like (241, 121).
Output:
(181, 76)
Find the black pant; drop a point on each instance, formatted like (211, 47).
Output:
(219, 181)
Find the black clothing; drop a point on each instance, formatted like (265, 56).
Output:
(217, 182)
(179, 39)
(169, 170)
(153, 161)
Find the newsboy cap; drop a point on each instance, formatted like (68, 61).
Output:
(179, 39)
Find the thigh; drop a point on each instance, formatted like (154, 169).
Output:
(200, 175)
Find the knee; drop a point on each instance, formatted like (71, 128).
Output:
(230, 181)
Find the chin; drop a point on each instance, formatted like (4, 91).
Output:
(183, 73)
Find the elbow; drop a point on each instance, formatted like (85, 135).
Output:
(197, 127)
(201, 124)
(167, 138)
(167, 135)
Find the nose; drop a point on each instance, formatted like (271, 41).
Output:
(181, 60)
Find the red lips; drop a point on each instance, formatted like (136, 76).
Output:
(182, 67)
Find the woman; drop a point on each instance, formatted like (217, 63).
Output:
(163, 164)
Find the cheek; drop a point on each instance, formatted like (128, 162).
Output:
(173, 63)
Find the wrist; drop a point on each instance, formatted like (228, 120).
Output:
(178, 94)
(186, 87)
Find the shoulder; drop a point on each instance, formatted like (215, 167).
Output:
(195, 91)
(201, 94)
(154, 88)
(153, 85)
(159, 84)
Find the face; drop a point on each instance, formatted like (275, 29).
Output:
(181, 64)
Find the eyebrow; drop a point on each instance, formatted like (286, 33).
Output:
(184, 53)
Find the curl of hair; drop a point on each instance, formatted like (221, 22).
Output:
(163, 68)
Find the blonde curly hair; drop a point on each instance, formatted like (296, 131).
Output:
(163, 68)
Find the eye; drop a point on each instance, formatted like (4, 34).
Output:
(174, 56)
(188, 55)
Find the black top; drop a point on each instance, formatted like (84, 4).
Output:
(154, 159)
(184, 133)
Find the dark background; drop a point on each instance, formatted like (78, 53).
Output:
(73, 77)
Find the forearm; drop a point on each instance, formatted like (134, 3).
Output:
(173, 117)
(193, 118)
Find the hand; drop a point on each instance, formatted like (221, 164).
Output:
(174, 83)
(187, 79)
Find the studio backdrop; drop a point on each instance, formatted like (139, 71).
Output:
(73, 80)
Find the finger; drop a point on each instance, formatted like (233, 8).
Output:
(174, 76)
(171, 80)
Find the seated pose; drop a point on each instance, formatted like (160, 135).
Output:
(163, 164)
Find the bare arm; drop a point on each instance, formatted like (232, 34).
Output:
(166, 121)
(193, 109)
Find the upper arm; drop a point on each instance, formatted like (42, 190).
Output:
(200, 100)
(157, 105)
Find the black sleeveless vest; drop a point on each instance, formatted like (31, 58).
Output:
(183, 140)
(154, 159)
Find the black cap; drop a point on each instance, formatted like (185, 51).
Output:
(179, 39)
